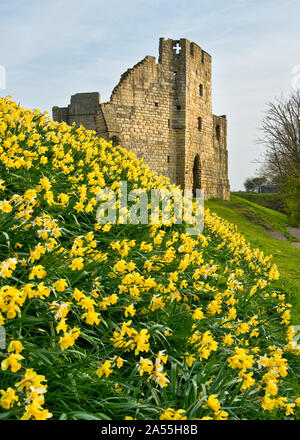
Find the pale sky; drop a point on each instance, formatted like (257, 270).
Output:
(53, 49)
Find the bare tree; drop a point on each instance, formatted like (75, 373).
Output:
(281, 137)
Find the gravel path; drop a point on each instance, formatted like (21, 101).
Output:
(295, 232)
(278, 235)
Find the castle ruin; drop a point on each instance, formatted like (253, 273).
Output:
(163, 113)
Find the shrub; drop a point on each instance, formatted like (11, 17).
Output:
(290, 195)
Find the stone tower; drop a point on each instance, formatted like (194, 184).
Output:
(163, 113)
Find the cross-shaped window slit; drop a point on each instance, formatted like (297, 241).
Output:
(177, 47)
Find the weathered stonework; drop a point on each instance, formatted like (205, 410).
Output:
(163, 113)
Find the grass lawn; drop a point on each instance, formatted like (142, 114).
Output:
(269, 200)
(250, 218)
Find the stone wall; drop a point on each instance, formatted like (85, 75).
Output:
(163, 113)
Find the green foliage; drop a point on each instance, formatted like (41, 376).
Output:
(290, 194)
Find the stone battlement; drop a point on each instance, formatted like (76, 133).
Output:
(162, 111)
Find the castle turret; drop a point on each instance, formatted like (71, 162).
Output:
(163, 113)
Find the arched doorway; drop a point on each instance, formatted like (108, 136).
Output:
(196, 174)
(115, 141)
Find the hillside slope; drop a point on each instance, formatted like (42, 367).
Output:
(123, 321)
(269, 200)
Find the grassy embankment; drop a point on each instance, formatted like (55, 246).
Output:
(269, 200)
(131, 321)
(253, 221)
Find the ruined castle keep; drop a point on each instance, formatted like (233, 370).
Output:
(163, 113)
